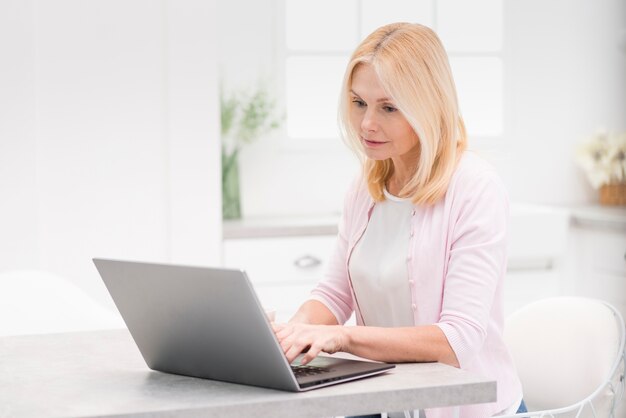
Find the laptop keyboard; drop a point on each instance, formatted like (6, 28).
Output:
(301, 371)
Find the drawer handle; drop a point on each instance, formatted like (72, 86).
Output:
(307, 262)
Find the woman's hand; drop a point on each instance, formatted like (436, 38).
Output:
(298, 338)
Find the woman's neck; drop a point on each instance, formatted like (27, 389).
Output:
(396, 183)
(400, 176)
(404, 167)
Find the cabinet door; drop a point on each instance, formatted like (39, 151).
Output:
(279, 260)
(523, 286)
(597, 265)
(282, 270)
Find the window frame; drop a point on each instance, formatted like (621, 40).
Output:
(492, 142)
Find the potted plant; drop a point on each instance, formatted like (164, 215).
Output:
(603, 157)
(245, 116)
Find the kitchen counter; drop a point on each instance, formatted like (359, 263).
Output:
(286, 226)
(607, 217)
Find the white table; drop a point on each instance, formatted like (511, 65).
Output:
(102, 373)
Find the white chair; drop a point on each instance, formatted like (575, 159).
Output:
(39, 302)
(569, 353)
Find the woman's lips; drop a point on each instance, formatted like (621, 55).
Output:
(372, 143)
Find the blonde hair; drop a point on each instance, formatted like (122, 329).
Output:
(412, 66)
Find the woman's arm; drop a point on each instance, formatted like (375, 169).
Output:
(396, 345)
(315, 313)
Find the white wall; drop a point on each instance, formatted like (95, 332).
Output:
(18, 199)
(108, 135)
(108, 123)
(277, 178)
(565, 77)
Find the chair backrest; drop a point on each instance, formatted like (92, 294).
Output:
(565, 348)
(39, 302)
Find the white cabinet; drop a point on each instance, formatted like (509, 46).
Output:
(537, 247)
(596, 264)
(596, 259)
(553, 251)
(283, 270)
(285, 258)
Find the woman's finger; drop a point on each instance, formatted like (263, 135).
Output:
(283, 331)
(294, 351)
(278, 326)
(314, 351)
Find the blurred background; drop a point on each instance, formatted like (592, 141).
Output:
(114, 131)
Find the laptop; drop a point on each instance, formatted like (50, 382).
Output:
(208, 323)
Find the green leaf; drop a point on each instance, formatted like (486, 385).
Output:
(246, 117)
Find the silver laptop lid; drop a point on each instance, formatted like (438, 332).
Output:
(176, 317)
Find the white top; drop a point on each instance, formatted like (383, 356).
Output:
(378, 265)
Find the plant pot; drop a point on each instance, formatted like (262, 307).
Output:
(231, 199)
(613, 194)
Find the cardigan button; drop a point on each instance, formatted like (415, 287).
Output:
(414, 306)
(412, 282)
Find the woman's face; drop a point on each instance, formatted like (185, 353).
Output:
(383, 130)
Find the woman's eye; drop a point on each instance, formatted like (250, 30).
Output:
(359, 103)
(389, 109)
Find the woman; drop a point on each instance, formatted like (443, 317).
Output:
(421, 250)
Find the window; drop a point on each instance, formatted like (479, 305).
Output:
(319, 36)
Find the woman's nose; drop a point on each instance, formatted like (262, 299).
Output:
(369, 123)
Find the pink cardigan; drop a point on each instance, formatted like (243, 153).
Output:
(456, 263)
